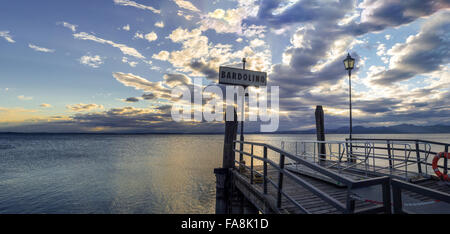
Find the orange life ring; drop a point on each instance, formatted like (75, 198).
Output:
(435, 166)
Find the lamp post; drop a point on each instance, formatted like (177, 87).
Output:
(349, 63)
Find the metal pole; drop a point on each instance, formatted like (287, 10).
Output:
(350, 97)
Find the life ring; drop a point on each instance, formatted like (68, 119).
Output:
(435, 166)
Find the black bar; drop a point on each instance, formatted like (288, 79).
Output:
(445, 161)
(251, 167)
(386, 190)
(350, 202)
(280, 180)
(389, 154)
(397, 196)
(265, 170)
(419, 166)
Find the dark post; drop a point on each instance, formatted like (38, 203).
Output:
(397, 197)
(280, 180)
(223, 175)
(419, 167)
(265, 170)
(386, 190)
(320, 130)
(230, 137)
(241, 156)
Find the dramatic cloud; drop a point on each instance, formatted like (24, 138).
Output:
(5, 35)
(139, 83)
(83, 107)
(136, 5)
(91, 61)
(40, 49)
(173, 80)
(425, 52)
(380, 14)
(125, 49)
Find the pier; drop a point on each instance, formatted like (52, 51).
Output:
(331, 177)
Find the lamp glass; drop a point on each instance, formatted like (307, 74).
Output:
(351, 63)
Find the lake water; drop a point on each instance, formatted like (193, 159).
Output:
(65, 173)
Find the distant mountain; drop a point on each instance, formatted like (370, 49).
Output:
(402, 128)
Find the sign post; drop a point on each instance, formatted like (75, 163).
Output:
(244, 78)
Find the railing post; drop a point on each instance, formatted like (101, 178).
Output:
(397, 196)
(265, 170)
(386, 190)
(350, 202)
(445, 161)
(389, 155)
(251, 167)
(280, 180)
(419, 164)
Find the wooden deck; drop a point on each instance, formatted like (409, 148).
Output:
(315, 204)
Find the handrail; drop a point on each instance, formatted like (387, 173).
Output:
(399, 140)
(350, 183)
(398, 186)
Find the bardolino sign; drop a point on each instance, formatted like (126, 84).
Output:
(236, 76)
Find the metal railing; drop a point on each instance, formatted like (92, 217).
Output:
(398, 158)
(348, 207)
(398, 186)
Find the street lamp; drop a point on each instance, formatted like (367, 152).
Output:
(349, 63)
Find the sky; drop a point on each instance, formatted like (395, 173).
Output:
(110, 65)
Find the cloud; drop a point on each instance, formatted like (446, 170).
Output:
(257, 43)
(148, 96)
(378, 15)
(125, 49)
(136, 5)
(24, 98)
(45, 105)
(173, 80)
(159, 24)
(70, 26)
(151, 36)
(230, 20)
(180, 34)
(131, 63)
(83, 107)
(162, 55)
(140, 83)
(91, 61)
(40, 49)
(132, 99)
(301, 11)
(5, 35)
(423, 53)
(126, 27)
(186, 16)
(186, 5)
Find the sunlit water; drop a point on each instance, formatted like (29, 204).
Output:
(120, 173)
